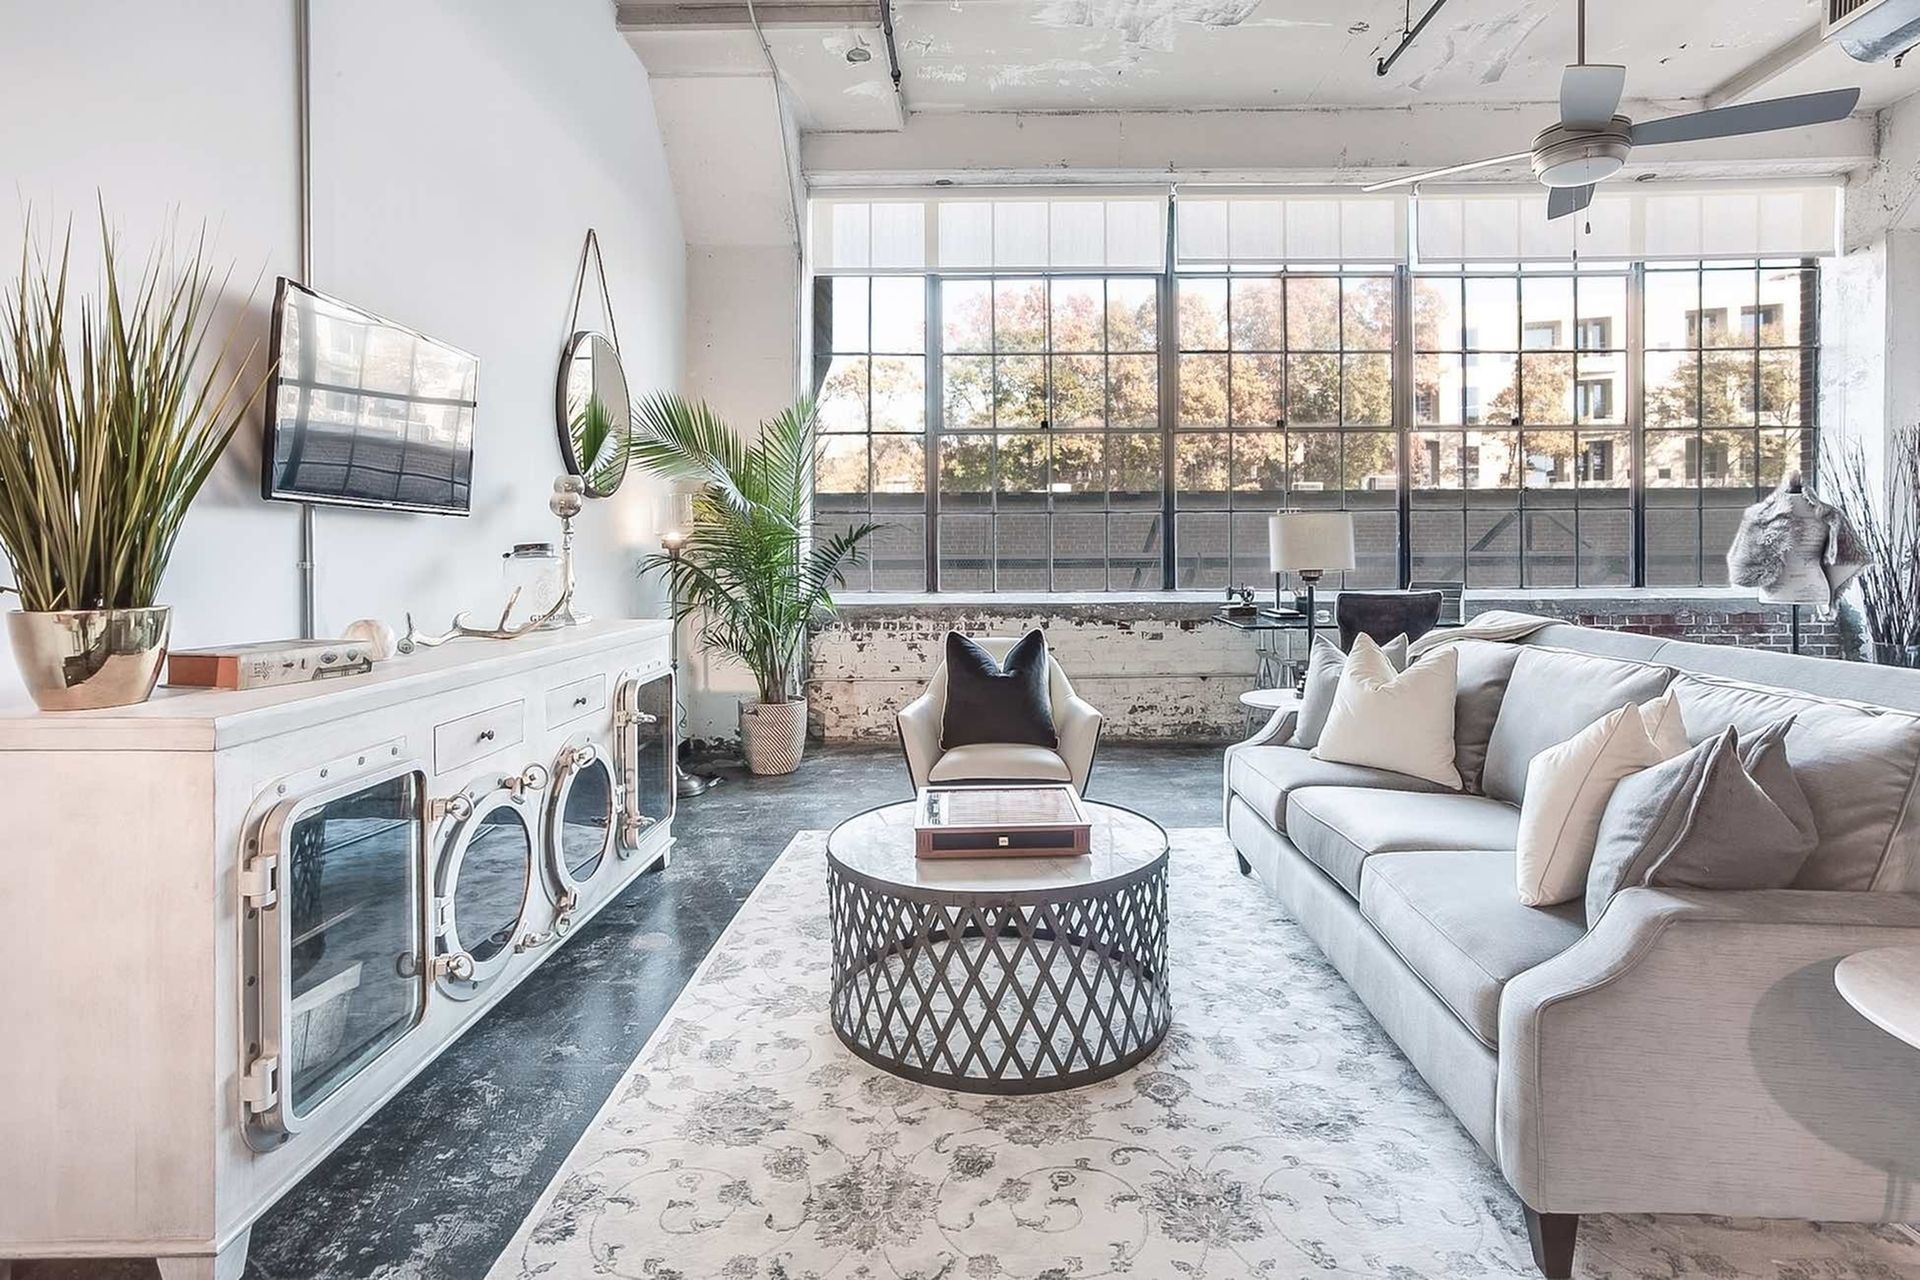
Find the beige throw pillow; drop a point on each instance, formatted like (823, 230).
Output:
(1325, 662)
(1568, 786)
(1661, 716)
(1385, 719)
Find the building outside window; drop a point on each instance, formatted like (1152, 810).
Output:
(1057, 417)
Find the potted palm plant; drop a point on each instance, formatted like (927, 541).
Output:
(750, 570)
(1884, 509)
(106, 435)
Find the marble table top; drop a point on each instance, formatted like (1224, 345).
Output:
(1884, 985)
(879, 844)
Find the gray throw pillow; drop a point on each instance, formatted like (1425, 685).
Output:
(1725, 815)
(1481, 685)
(1324, 665)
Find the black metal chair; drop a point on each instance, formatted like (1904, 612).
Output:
(1382, 615)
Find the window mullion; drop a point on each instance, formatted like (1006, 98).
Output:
(1402, 366)
(1166, 325)
(934, 344)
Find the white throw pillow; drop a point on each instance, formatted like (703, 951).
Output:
(1661, 716)
(1568, 786)
(1325, 661)
(1401, 721)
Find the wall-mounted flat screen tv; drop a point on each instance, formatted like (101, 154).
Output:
(364, 412)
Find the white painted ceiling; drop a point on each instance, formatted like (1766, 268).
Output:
(1104, 55)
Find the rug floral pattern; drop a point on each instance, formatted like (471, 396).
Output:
(1276, 1133)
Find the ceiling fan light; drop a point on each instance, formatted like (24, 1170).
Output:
(1564, 157)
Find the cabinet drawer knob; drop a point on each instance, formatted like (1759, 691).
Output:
(486, 735)
(580, 701)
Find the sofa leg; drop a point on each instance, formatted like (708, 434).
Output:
(1246, 868)
(1551, 1235)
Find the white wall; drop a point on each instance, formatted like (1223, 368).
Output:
(461, 150)
(723, 136)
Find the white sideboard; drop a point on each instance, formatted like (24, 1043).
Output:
(237, 923)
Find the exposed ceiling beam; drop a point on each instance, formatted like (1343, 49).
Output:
(726, 15)
(1749, 79)
(1340, 145)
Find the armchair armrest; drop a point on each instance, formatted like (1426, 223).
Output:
(1277, 730)
(1691, 1055)
(919, 724)
(1077, 722)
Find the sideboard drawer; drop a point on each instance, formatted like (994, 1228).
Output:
(580, 698)
(461, 742)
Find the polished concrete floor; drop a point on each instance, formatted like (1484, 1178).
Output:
(434, 1186)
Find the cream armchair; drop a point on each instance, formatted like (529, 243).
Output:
(1075, 721)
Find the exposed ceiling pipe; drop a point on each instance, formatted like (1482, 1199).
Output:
(303, 116)
(893, 56)
(780, 122)
(1407, 38)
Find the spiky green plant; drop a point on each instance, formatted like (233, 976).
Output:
(751, 572)
(601, 450)
(105, 437)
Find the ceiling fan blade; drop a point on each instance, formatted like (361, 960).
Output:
(1590, 94)
(1431, 174)
(1749, 117)
(1562, 201)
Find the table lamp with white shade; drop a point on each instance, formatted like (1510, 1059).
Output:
(1309, 543)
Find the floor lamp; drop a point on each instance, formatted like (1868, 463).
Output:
(678, 511)
(1309, 543)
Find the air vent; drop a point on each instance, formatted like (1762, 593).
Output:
(1872, 30)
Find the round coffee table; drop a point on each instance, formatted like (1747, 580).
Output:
(999, 975)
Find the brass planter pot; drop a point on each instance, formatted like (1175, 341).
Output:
(773, 736)
(84, 659)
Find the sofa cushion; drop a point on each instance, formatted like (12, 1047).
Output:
(1480, 684)
(1339, 828)
(1856, 764)
(998, 762)
(1552, 695)
(1265, 776)
(1452, 916)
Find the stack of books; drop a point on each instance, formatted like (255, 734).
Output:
(267, 664)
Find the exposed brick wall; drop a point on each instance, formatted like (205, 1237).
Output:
(1159, 668)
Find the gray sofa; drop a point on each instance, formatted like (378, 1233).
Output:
(1688, 1053)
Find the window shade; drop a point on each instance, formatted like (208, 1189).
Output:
(1630, 221)
(1033, 230)
(1218, 226)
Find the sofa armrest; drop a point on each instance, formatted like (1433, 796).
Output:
(1278, 729)
(1077, 722)
(1691, 1055)
(919, 724)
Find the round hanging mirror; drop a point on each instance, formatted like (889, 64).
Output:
(595, 415)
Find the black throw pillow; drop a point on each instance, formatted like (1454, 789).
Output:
(991, 702)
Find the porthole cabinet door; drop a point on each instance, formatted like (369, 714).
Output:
(487, 884)
(331, 894)
(583, 810)
(645, 742)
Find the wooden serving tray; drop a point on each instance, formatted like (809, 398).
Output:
(1043, 821)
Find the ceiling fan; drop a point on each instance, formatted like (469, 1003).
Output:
(1590, 142)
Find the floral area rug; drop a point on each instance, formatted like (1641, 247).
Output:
(1276, 1133)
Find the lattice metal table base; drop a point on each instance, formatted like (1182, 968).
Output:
(1003, 993)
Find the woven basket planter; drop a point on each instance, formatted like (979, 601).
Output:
(773, 735)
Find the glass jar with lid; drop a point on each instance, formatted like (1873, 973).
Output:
(533, 571)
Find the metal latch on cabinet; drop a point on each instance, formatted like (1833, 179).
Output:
(260, 1084)
(533, 778)
(260, 881)
(562, 926)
